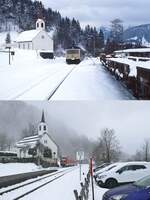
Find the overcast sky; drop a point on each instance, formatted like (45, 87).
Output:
(130, 120)
(101, 12)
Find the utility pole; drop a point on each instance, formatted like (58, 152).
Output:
(91, 173)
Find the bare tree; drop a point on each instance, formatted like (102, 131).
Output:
(117, 30)
(108, 148)
(143, 153)
(146, 149)
(5, 142)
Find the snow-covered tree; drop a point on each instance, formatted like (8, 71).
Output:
(8, 38)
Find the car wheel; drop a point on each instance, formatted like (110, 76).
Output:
(100, 183)
(111, 183)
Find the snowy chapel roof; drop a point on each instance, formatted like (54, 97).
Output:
(27, 36)
(32, 140)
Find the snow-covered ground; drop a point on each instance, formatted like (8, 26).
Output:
(62, 188)
(90, 81)
(17, 168)
(98, 192)
(29, 77)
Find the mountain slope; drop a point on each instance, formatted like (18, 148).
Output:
(140, 34)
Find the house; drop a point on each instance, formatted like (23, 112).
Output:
(37, 39)
(40, 145)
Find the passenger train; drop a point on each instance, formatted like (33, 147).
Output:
(74, 55)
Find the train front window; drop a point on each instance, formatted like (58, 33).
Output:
(73, 51)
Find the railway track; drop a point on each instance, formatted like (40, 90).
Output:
(48, 80)
(16, 192)
(34, 85)
(58, 86)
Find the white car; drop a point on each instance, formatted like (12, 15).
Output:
(100, 167)
(127, 172)
(107, 168)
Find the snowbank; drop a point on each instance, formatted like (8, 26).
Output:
(17, 168)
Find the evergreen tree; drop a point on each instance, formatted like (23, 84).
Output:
(8, 38)
(101, 39)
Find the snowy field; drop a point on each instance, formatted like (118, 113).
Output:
(17, 168)
(29, 77)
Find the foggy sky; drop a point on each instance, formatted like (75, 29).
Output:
(130, 120)
(96, 12)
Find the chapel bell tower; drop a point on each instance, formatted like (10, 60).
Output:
(40, 24)
(42, 127)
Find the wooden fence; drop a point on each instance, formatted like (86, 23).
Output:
(84, 193)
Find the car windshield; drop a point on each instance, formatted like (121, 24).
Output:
(145, 182)
(111, 167)
(100, 167)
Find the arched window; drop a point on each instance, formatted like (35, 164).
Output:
(44, 128)
(37, 24)
(42, 25)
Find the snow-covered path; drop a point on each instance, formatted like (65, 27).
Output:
(90, 81)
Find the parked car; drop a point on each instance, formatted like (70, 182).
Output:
(123, 173)
(104, 169)
(139, 190)
(96, 169)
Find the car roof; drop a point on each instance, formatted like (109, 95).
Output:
(123, 164)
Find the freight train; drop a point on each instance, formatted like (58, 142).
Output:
(132, 67)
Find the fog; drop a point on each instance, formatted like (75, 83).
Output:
(72, 123)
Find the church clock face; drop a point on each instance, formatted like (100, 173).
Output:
(42, 37)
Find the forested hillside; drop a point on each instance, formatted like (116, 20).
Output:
(67, 32)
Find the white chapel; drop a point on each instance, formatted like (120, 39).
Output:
(36, 39)
(39, 143)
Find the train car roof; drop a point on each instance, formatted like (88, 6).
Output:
(139, 50)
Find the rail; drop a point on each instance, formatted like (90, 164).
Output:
(47, 179)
